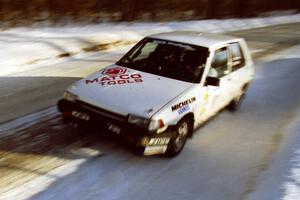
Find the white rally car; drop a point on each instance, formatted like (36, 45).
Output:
(163, 88)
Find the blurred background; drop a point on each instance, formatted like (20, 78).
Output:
(26, 12)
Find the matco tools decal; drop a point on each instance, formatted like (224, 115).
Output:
(114, 71)
(116, 76)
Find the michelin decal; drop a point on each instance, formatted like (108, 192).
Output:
(183, 106)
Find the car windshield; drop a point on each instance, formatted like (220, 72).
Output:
(166, 58)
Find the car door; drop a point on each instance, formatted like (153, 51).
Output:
(220, 95)
(239, 74)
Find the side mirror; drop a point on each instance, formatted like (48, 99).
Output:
(212, 81)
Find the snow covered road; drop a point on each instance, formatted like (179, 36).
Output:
(43, 159)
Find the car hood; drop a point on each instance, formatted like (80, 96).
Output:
(128, 91)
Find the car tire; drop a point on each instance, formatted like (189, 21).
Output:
(237, 101)
(182, 131)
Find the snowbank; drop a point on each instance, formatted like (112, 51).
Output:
(24, 47)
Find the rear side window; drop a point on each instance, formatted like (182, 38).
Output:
(238, 59)
(219, 67)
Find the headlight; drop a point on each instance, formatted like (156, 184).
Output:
(139, 121)
(156, 125)
(149, 124)
(69, 96)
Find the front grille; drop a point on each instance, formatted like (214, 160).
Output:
(101, 112)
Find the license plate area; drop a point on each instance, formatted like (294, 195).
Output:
(80, 115)
(151, 150)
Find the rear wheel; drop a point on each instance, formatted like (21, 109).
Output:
(237, 101)
(182, 131)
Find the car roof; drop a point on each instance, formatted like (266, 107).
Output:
(197, 38)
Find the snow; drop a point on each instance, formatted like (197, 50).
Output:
(25, 48)
(291, 187)
(31, 188)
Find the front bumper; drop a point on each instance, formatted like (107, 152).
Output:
(148, 142)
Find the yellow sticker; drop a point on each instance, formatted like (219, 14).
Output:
(206, 96)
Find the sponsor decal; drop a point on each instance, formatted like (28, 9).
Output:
(174, 44)
(116, 76)
(157, 149)
(159, 141)
(205, 102)
(114, 71)
(183, 109)
(183, 104)
(206, 96)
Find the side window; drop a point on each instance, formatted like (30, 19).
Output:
(219, 66)
(238, 59)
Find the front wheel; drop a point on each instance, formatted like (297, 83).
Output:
(182, 131)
